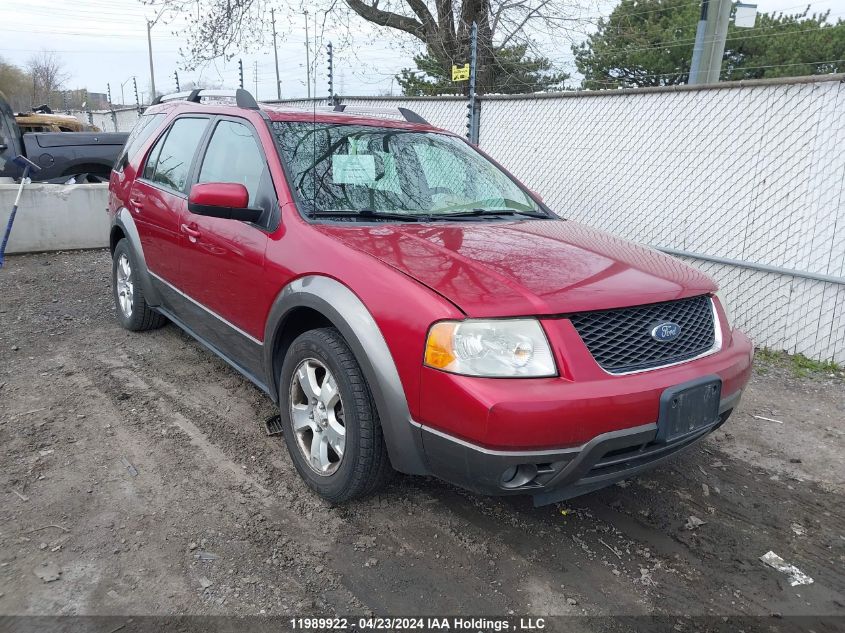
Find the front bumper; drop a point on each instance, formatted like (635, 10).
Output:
(554, 475)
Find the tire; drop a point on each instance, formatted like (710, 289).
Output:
(138, 316)
(364, 465)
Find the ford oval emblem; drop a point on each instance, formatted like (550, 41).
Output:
(664, 332)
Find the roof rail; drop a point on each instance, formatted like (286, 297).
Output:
(409, 115)
(243, 99)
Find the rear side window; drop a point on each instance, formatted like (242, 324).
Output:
(233, 155)
(170, 160)
(139, 135)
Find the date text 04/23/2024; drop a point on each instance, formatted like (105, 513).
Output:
(433, 623)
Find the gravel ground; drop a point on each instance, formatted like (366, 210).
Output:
(136, 471)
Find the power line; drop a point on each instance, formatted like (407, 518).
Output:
(724, 71)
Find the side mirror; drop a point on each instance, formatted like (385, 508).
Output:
(226, 200)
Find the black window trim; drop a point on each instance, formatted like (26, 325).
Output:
(163, 138)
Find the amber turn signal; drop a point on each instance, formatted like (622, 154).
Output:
(439, 346)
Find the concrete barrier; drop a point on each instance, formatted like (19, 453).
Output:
(56, 217)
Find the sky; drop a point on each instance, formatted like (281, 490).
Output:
(104, 42)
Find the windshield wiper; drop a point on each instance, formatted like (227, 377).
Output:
(480, 212)
(369, 214)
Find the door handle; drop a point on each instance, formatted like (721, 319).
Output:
(192, 234)
(136, 204)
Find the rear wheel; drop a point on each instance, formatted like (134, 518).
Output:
(330, 423)
(133, 313)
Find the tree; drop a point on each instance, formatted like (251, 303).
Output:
(441, 26)
(649, 43)
(47, 76)
(513, 72)
(15, 85)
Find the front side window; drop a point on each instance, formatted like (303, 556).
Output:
(233, 156)
(169, 162)
(355, 168)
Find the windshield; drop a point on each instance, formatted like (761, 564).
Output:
(351, 169)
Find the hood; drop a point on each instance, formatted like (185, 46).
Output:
(520, 268)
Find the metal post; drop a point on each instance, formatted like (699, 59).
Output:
(111, 108)
(709, 48)
(276, 55)
(255, 77)
(331, 72)
(150, 48)
(307, 56)
(137, 102)
(241, 73)
(176, 77)
(472, 114)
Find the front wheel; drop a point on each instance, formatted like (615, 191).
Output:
(133, 313)
(330, 422)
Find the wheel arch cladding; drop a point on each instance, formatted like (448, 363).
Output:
(330, 303)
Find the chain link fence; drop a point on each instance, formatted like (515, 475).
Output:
(745, 181)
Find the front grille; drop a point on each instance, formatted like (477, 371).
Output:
(620, 340)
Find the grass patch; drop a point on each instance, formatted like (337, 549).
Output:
(800, 365)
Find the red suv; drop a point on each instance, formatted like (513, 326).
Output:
(409, 304)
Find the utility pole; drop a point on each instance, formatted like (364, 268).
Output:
(150, 49)
(241, 73)
(331, 73)
(176, 77)
(307, 56)
(472, 109)
(255, 77)
(709, 48)
(276, 55)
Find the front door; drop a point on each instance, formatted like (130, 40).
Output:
(158, 198)
(223, 260)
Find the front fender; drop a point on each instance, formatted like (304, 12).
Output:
(350, 316)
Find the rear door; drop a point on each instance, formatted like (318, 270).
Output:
(223, 260)
(159, 196)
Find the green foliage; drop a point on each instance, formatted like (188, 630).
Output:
(16, 85)
(513, 72)
(798, 364)
(650, 42)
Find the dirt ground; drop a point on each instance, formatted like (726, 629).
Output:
(136, 468)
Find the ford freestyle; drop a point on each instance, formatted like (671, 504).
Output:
(409, 304)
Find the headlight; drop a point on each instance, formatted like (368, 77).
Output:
(512, 348)
(724, 303)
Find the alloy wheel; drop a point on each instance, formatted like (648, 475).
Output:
(125, 287)
(317, 418)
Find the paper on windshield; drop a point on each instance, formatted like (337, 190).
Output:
(353, 169)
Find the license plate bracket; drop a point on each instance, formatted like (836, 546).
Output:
(688, 408)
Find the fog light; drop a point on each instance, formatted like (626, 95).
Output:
(508, 475)
(516, 476)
